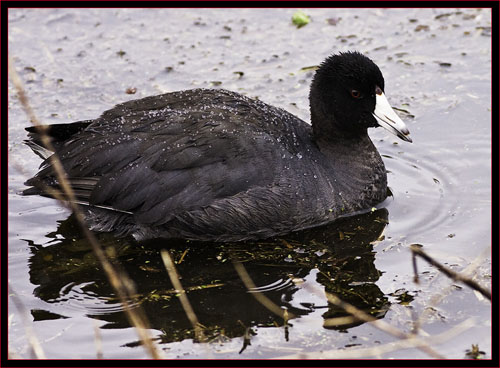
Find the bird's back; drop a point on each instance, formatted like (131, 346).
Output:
(210, 162)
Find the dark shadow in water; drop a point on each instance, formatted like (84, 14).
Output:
(66, 271)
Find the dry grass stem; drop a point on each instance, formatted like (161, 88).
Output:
(36, 348)
(338, 321)
(174, 277)
(11, 353)
(410, 343)
(377, 323)
(261, 298)
(98, 341)
(122, 285)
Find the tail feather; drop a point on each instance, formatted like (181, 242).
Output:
(59, 133)
(39, 150)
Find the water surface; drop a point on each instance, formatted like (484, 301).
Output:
(76, 63)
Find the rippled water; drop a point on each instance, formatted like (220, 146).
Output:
(437, 67)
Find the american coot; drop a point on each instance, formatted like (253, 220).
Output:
(215, 165)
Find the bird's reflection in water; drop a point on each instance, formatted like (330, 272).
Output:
(339, 255)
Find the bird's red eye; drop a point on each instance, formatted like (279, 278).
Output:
(355, 93)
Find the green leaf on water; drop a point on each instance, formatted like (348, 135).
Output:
(300, 19)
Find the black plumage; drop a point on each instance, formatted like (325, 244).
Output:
(215, 165)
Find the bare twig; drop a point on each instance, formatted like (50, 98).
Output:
(174, 277)
(438, 298)
(121, 283)
(417, 251)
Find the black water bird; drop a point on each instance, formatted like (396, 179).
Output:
(211, 164)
